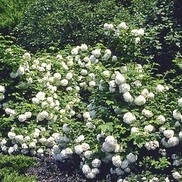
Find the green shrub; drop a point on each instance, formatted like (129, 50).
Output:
(61, 22)
(12, 168)
(11, 13)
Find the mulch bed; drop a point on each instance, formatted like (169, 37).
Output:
(49, 170)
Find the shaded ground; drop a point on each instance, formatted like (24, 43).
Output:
(48, 170)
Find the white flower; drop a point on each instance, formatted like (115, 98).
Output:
(96, 52)
(131, 157)
(134, 130)
(168, 133)
(80, 139)
(10, 150)
(86, 169)
(177, 115)
(32, 145)
(40, 95)
(119, 171)
(124, 164)
(86, 116)
(64, 65)
(161, 119)
(19, 138)
(140, 100)
(180, 135)
(83, 47)
(110, 140)
(129, 118)
(87, 154)
(22, 117)
(2, 89)
(96, 163)
(78, 149)
(92, 84)
(40, 151)
(137, 40)
(90, 175)
(75, 50)
(95, 171)
(173, 141)
(56, 149)
(114, 58)
(180, 102)
(64, 82)
(65, 128)
(141, 32)
(151, 95)
(176, 175)
(83, 72)
(124, 88)
(28, 114)
(160, 88)
(149, 128)
(119, 79)
(85, 146)
(10, 111)
(116, 160)
(43, 115)
(122, 25)
(27, 139)
(128, 97)
(57, 76)
(137, 83)
(106, 73)
(21, 70)
(24, 146)
(35, 100)
(13, 74)
(152, 145)
(147, 113)
(43, 140)
(145, 92)
(69, 76)
(11, 135)
(112, 83)
(108, 26)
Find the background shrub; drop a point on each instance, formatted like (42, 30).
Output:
(62, 22)
(11, 13)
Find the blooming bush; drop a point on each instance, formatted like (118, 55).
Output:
(89, 102)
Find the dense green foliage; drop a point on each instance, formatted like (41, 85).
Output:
(62, 22)
(11, 13)
(13, 167)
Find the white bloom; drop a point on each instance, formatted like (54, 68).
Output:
(128, 97)
(96, 163)
(92, 84)
(21, 70)
(13, 74)
(86, 169)
(147, 113)
(43, 140)
(27, 139)
(32, 145)
(131, 157)
(112, 83)
(85, 146)
(90, 175)
(108, 26)
(35, 100)
(57, 76)
(145, 92)
(173, 141)
(137, 83)
(141, 32)
(120, 79)
(180, 135)
(43, 115)
(78, 149)
(180, 102)
(75, 50)
(10, 111)
(65, 128)
(28, 114)
(119, 171)
(161, 119)
(80, 139)
(137, 40)
(69, 76)
(116, 160)
(87, 154)
(83, 72)
(122, 25)
(128, 118)
(2, 89)
(114, 58)
(22, 117)
(10, 150)
(152, 145)
(40, 151)
(176, 175)
(168, 133)
(160, 88)
(26, 56)
(56, 149)
(124, 88)
(96, 52)
(83, 47)
(24, 146)
(134, 130)
(64, 82)
(110, 140)
(95, 171)
(124, 164)
(11, 135)
(106, 73)
(40, 95)
(140, 100)
(177, 115)
(19, 138)
(149, 128)
(151, 95)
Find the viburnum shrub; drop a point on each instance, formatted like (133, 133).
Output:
(88, 102)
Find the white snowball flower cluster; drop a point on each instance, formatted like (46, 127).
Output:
(180, 102)
(152, 145)
(176, 175)
(90, 173)
(110, 144)
(25, 116)
(42, 115)
(129, 118)
(138, 32)
(177, 115)
(147, 113)
(2, 91)
(140, 100)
